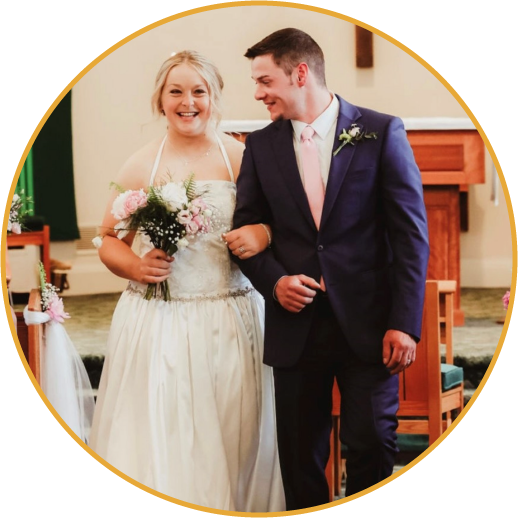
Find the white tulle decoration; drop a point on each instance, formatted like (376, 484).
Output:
(64, 379)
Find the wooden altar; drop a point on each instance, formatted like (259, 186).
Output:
(450, 156)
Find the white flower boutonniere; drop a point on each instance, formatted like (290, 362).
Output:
(352, 135)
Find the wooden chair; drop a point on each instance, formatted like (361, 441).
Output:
(425, 403)
(31, 337)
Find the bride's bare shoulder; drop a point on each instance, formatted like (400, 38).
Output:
(135, 173)
(234, 150)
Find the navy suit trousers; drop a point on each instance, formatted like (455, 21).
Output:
(368, 423)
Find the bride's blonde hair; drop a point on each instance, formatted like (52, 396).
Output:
(207, 70)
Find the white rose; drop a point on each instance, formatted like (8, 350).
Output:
(15, 198)
(207, 213)
(16, 228)
(118, 208)
(174, 196)
(97, 241)
(354, 131)
(182, 243)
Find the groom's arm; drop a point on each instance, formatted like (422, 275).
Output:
(407, 226)
(252, 207)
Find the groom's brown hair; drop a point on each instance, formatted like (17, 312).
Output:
(289, 48)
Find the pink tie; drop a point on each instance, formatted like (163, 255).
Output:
(313, 183)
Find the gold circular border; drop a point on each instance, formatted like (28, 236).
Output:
(316, 10)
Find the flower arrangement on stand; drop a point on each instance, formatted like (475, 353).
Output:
(17, 213)
(169, 215)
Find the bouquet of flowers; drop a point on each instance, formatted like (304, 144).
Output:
(168, 214)
(16, 213)
(51, 303)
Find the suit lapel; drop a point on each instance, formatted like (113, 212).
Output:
(287, 162)
(340, 163)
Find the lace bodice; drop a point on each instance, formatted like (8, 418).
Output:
(204, 269)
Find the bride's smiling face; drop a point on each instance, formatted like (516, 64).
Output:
(186, 101)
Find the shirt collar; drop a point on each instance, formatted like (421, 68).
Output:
(323, 123)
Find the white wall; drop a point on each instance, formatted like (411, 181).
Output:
(112, 117)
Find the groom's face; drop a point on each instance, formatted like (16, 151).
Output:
(278, 91)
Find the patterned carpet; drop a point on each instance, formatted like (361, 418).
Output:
(91, 317)
(483, 327)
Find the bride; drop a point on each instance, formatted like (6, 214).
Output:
(185, 404)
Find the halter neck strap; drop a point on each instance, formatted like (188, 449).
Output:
(157, 161)
(225, 157)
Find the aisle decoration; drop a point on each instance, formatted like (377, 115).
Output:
(64, 379)
(505, 299)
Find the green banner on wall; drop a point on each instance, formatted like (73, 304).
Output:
(53, 174)
(25, 185)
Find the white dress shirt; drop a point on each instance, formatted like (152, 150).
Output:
(325, 129)
(324, 137)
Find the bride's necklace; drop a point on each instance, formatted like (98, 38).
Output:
(185, 161)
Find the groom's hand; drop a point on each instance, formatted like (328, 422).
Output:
(399, 351)
(295, 292)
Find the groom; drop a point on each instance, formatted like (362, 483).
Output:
(344, 278)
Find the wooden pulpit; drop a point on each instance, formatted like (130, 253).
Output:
(449, 161)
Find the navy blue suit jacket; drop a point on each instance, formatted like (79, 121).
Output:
(372, 246)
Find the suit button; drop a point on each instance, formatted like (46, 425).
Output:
(320, 248)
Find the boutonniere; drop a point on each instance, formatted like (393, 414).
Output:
(352, 135)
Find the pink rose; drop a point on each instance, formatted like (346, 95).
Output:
(201, 222)
(127, 203)
(184, 216)
(56, 310)
(198, 202)
(505, 299)
(192, 227)
(134, 201)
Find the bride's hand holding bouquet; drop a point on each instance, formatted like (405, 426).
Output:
(169, 215)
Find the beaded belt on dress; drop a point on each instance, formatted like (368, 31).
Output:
(137, 290)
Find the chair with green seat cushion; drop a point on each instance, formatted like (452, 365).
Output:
(429, 391)
(451, 376)
(412, 442)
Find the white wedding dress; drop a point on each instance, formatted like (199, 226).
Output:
(185, 404)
